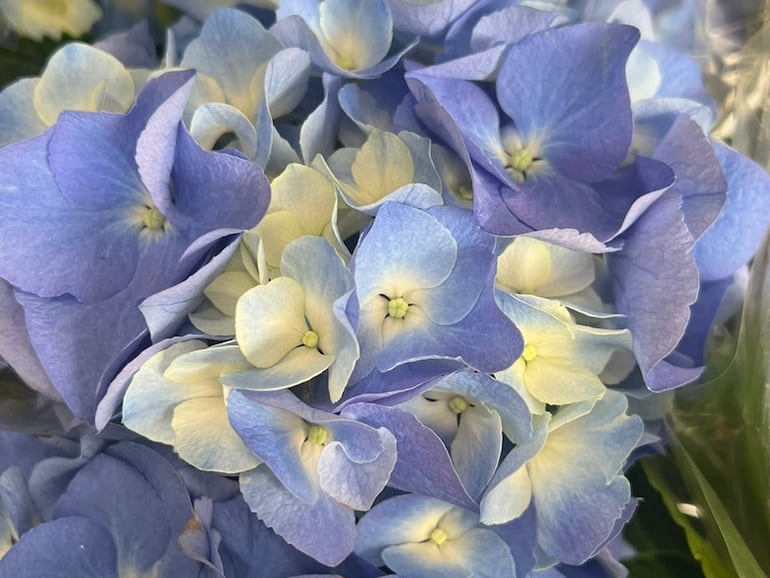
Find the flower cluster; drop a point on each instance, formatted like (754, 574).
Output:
(354, 287)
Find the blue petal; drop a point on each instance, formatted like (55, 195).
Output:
(574, 100)
(323, 529)
(423, 465)
(76, 370)
(738, 231)
(426, 18)
(656, 280)
(275, 436)
(318, 134)
(249, 548)
(16, 348)
(69, 546)
(699, 177)
(85, 249)
(142, 536)
(356, 485)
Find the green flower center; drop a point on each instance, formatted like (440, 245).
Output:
(317, 434)
(529, 353)
(310, 339)
(153, 219)
(438, 536)
(397, 308)
(521, 160)
(458, 404)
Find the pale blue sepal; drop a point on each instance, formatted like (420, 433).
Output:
(362, 108)
(426, 18)
(516, 419)
(276, 436)
(350, 466)
(510, 25)
(356, 487)
(655, 289)
(424, 168)
(156, 147)
(399, 520)
(738, 231)
(387, 265)
(356, 29)
(578, 501)
(166, 310)
(479, 552)
(318, 134)
(476, 448)
(347, 353)
(212, 121)
(475, 434)
(286, 80)
(16, 348)
(655, 114)
(453, 300)
(510, 491)
(322, 529)
(18, 117)
(423, 538)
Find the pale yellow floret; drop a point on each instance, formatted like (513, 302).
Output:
(458, 404)
(317, 434)
(438, 536)
(397, 308)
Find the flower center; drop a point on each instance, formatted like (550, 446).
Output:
(310, 339)
(153, 219)
(397, 308)
(521, 160)
(458, 404)
(529, 352)
(438, 536)
(317, 434)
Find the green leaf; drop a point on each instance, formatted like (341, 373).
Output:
(722, 438)
(665, 478)
(744, 563)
